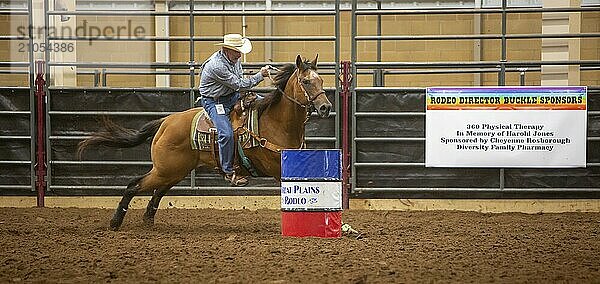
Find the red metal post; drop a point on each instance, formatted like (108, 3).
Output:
(40, 167)
(345, 99)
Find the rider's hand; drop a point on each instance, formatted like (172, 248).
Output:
(265, 71)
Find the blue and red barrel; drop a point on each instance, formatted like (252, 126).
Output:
(311, 193)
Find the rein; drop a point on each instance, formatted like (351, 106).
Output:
(263, 142)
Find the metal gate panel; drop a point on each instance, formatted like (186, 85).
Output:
(16, 158)
(72, 111)
(388, 124)
(17, 115)
(389, 156)
(75, 112)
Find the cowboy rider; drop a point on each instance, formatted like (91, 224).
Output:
(221, 81)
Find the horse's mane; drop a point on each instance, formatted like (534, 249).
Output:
(281, 80)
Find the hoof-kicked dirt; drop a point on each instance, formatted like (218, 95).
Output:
(207, 246)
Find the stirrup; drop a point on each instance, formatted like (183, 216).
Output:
(236, 180)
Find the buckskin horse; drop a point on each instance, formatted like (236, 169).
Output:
(284, 114)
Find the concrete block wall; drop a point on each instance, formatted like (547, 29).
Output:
(590, 47)
(118, 51)
(15, 50)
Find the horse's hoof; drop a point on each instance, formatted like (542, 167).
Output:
(148, 223)
(115, 224)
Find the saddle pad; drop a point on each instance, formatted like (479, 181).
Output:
(200, 139)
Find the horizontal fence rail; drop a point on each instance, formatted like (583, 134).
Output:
(195, 39)
(365, 12)
(481, 36)
(249, 13)
(480, 64)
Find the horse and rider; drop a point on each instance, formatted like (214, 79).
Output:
(283, 115)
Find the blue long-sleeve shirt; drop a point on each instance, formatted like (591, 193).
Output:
(221, 77)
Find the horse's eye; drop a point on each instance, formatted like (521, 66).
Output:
(306, 81)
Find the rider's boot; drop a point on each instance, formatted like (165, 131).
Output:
(235, 179)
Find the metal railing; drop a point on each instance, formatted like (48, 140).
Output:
(29, 69)
(378, 69)
(191, 67)
(501, 67)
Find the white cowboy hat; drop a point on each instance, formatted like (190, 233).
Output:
(236, 42)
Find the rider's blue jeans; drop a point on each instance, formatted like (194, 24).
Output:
(223, 125)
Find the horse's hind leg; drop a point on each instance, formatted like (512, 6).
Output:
(132, 189)
(160, 182)
(153, 205)
(149, 181)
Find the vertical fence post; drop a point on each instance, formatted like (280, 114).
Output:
(502, 78)
(192, 70)
(104, 77)
(40, 170)
(502, 75)
(345, 99)
(96, 77)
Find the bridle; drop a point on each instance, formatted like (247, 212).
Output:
(310, 100)
(263, 142)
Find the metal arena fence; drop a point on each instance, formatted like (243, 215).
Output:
(380, 129)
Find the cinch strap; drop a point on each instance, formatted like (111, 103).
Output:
(246, 163)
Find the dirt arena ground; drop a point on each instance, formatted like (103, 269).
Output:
(208, 246)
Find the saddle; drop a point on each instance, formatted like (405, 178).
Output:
(243, 118)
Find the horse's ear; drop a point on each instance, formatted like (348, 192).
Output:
(314, 62)
(299, 63)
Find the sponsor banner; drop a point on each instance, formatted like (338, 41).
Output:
(311, 195)
(506, 127)
(507, 98)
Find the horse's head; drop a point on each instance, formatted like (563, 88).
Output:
(312, 85)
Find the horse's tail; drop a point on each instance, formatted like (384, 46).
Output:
(116, 136)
